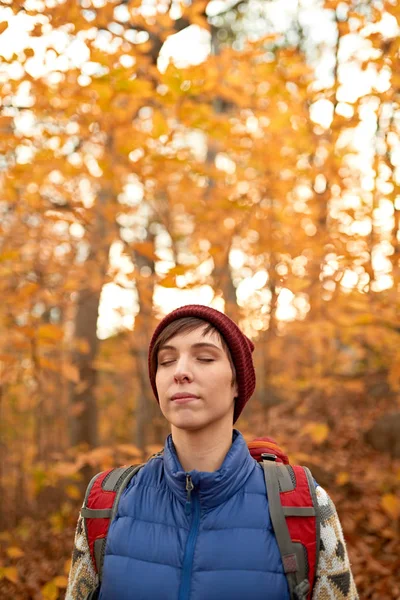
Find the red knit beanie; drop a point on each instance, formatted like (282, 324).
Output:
(240, 347)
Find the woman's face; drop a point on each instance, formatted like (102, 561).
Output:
(193, 364)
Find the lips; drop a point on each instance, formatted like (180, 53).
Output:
(183, 398)
(180, 395)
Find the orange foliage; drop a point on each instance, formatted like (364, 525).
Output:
(212, 174)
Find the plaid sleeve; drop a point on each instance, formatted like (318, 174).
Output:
(82, 577)
(334, 580)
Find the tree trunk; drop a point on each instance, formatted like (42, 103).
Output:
(83, 409)
(140, 342)
(83, 417)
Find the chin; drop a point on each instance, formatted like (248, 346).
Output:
(188, 422)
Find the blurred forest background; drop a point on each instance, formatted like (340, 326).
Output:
(239, 154)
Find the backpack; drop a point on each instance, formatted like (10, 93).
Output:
(292, 505)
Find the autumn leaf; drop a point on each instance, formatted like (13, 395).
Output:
(3, 26)
(342, 478)
(28, 290)
(73, 492)
(169, 281)
(50, 591)
(216, 165)
(67, 566)
(9, 573)
(61, 581)
(50, 332)
(160, 125)
(331, 4)
(15, 552)
(317, 431)
(8, 254)
(391, 505)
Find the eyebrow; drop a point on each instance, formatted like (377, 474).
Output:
(198, 345)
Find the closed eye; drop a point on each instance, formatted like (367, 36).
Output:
(167, 362)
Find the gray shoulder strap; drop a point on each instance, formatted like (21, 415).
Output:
(313, 493)
(292, 554)
(115, 481)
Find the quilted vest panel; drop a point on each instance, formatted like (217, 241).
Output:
(219, 546)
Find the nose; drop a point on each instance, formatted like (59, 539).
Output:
(182, 370)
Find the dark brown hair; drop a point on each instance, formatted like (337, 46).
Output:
(187, 324)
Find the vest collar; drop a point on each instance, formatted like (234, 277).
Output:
(213, 487)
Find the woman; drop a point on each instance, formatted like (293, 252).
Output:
(194, 521)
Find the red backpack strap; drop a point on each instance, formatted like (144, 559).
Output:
(100, 506)
(295, 519)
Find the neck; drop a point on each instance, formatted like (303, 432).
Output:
(205, 449)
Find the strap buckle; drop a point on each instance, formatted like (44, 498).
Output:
(267, 456)
(301, 590)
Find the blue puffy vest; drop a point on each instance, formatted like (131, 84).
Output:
(212, 542)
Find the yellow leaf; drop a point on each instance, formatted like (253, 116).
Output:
(15, 552)
(61, 581)
(391, 505)
(11, 574)
(67, 565)
(160, 125)
(28, 290)
(342, 478)
(169, 281)
(50, 591)
(50, 332)
(73, 492)
(57, 523)
(317, 431)
(331, 4)
(365, 319)
(9, 254)
(3, 26)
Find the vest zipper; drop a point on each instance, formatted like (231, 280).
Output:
(192, 506)
(189, 488)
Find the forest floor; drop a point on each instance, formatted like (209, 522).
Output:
(363, 483)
